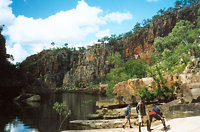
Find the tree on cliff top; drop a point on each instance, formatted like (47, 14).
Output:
(182, 3)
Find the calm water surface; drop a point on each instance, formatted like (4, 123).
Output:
(40, 117)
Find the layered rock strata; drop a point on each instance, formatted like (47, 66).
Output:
(70, 71)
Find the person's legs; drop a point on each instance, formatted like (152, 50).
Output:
(140, 122)
(148, 127)
(163, 122)
(130, 122)
(127, 119)
(150, 120)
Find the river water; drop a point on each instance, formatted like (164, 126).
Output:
(40, 117)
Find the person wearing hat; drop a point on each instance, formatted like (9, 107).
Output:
(128, 116)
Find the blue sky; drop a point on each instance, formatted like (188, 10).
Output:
(31, 25)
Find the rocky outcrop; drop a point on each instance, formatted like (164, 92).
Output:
(91, 67)
(140, 44)
(114, 118)
(116, 102)
(189, 86)
(80, 70)
(47, 69)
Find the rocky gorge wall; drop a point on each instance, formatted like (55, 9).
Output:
(12, 80)
(91, 67)
(46, 70)
(62, 69)
(140, 44)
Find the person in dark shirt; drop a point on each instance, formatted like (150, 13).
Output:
(128, 116)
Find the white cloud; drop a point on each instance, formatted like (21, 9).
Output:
(65, 26)
(91, 43)
(118, 17)
(28, 35)
(6, 15)
(152, 0)
(103, 33)
(17, 51)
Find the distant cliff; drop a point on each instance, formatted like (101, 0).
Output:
(61, 68)
(48, 67)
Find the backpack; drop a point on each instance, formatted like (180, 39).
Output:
(156, 109)
(137, 108)
(143, 109)
(127, 110)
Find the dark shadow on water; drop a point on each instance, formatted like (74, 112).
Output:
(41, 117)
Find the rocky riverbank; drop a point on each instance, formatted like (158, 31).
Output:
(114, 118)
(189, 124)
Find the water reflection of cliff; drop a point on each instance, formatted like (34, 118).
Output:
(80, 104)
(43, 118)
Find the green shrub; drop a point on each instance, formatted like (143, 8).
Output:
(180, 44)
(122, 71)
(63, 113)
(145, 93)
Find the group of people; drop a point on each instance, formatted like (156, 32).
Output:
(141, 111)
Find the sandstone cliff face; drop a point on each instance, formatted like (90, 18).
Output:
(189, 86)
(54, 69)
(62, 69)
(48, 68)
(140, 44)
(91, 67)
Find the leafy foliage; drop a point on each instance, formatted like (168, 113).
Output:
(145, 94)
(161, 93)
(63, 113)
(173, 51)
(137, 27)
(122, 71)
(182, 3)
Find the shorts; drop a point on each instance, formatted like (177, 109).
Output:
(128, 116)
(155, 116)
(140, 118)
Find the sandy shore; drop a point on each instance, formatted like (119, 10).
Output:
(188, 124)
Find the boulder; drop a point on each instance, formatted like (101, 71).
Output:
(117, 102)
(34, 98)
(188, 90)
(94, 116)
